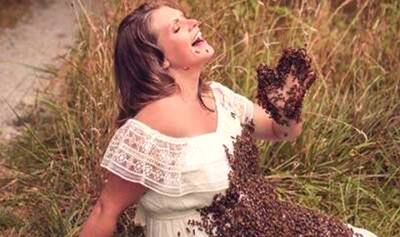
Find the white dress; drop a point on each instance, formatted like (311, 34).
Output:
(182, 174)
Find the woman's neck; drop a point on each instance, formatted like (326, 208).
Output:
(188, 81)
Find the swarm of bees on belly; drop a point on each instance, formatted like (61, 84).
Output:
(271, 82)
(250, 206)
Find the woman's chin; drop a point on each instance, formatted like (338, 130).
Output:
(204, 55)
(204, 50)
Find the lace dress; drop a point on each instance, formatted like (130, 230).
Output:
(182, 174)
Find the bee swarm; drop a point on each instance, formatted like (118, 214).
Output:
(250, 206)
(272, 81)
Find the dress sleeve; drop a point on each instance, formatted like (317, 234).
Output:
(241, 105)
(135, 153)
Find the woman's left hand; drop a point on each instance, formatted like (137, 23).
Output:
(281, 90)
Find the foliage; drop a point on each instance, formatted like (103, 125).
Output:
(346, 161)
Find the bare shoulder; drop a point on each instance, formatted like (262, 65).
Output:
(161, 115)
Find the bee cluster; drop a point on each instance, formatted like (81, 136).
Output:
(250, 206)
(271, 84)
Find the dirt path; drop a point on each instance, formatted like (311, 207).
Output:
(33, 43)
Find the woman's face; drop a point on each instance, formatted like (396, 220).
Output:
(180, 38)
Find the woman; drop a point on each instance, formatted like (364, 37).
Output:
(167, 154)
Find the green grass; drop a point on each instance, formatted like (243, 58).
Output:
(345, 163)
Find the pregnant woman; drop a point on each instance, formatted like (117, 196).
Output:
(167, 155)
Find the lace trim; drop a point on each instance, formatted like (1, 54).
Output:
(141, 157)
(241, 105)
(136, 155)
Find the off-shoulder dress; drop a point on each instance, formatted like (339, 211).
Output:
(183, 173)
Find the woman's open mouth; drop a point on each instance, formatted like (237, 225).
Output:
(199, 41)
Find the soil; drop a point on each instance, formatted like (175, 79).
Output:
(35, 37)
(37, 40)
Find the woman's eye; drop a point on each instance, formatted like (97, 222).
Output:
(177, 29)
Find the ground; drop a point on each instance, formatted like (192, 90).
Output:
(39, 39)
(34, 37)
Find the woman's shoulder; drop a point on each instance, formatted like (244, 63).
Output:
(214, 84)
(233, 100)
(152, 114)
(223, 91)
(221, 88)
(148, 134)
(138, 153)
(161, 120)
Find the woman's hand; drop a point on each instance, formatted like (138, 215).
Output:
(281, 90)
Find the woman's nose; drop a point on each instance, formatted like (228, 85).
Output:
(193, 23)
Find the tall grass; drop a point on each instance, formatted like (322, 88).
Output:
(345, 163)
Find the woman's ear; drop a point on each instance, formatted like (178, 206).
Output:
(166, 64)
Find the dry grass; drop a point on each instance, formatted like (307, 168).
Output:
(346, 162)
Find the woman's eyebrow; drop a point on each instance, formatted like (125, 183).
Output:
(176, 20)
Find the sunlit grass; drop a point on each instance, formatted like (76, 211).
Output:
(345, 163)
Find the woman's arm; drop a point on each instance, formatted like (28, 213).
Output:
(265, 128)
(116, 195)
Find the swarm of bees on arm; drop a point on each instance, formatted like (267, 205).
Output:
(250, 206)
(281, 97)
